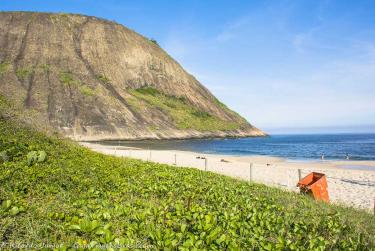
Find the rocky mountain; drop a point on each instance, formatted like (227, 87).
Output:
(93, 79)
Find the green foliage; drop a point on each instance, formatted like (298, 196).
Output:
(153, 128)
(45, 67)
(148, 91)
(201, 114)
(42, 156)
(8, 208)
(59, 17)
(4, 103)
(32, 157)
(103, 79)
(4, 68)
(185, 115)
(63, 15)
(23, 73)
(219, 103)
(12, 150)
(54, 18)
(67, 78)
(79, 197)
(87, 91)
(154, 41)
(36, 156)
(4, 156)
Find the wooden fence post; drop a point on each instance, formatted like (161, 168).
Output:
(205, 164)
(299, 174)
(175, 159)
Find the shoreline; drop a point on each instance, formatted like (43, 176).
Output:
(260, 159)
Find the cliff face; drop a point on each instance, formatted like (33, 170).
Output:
(92, 79)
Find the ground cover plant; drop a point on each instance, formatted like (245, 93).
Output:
(184, 115)
(54, 191)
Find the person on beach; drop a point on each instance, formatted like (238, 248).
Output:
(322, 157)
(347, 157)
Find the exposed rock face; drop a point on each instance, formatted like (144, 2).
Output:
(81, 75)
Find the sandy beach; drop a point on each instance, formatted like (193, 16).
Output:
(350, 187)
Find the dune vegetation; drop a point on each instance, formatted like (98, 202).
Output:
(55, 192)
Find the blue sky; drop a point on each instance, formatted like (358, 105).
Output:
(286, 66)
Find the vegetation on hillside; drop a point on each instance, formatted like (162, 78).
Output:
(23, 73)
(4, 67)
(184, 115)
(68, 79)
(102, 78)
(54, 191)
(154, 41)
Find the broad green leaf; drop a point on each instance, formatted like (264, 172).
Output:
(42, 156)
(6, 204)
(74, 227)
(14, 211)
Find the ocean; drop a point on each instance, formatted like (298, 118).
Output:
(293, 147)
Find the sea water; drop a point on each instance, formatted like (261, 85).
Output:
(292, 147)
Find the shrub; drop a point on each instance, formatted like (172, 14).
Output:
(201, 114)
(148, 91)
(153, 41)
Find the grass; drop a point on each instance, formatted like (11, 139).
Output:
(15, 109)
(45, 67)
(87, 91)
(59, 17)
(4, 68)
(67, 79)
(103, 79)
(73, 197)
(23, 73)
(184, 115)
